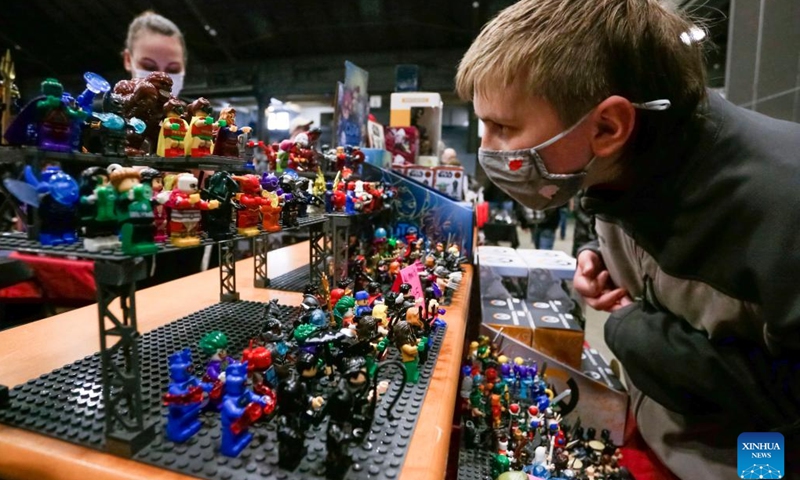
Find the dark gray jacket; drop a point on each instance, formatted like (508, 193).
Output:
(708, 242)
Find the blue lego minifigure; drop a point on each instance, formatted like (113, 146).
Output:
(526, 382)
(349, 206)
(58, 202)
(184, 399)
(240, 408)
(507, 373)
(362, 303)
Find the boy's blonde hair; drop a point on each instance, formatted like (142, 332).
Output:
(576, 53)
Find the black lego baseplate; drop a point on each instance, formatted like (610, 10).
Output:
(293, 281)
(474, 464)
(67, 404)
(20, 243)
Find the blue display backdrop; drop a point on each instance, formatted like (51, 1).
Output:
(437, 216)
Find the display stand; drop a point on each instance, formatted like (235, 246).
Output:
(116, 275)
(318, 250)
(126, 431)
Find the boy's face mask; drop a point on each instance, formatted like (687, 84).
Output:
(177, 79)
(523, 175)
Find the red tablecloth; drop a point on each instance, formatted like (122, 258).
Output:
(62, 279)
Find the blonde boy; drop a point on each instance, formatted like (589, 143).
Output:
(696, 211)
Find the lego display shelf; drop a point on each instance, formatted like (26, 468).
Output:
(33, 350)
(211, 162)
(19, 242)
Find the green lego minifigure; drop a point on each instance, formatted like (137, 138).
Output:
(134, 211)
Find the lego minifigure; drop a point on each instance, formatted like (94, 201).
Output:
(228, 136)
(293, 420)
(271, 209)
(184, 206)
(145, 98)
(57, 195)
(155, 179)
(291, 203)
(183, 399)
(97, 219)
(134, 212)
(363, 344)
(172, 134)
(215, 345)
(56, 120)
(107, 132)
(250, 198)
(343, 311)
(350, 417)
(240, 409)
(199, 134)
(222, 188)
(410, 347)
(362, 304)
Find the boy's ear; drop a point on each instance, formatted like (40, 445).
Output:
(613, 121)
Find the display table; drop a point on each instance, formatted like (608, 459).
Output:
(39, 347)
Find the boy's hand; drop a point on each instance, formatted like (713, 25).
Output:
(593, 282)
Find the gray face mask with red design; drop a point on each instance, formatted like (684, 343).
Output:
(524, 177)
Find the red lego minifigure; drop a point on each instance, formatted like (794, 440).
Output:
(184, 206)
(250, 198)
(339, 197)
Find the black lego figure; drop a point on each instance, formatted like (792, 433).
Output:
(221, 187)
(291, 203)
(97, 231)
(293, 419)
(350, 416)
(351, 409)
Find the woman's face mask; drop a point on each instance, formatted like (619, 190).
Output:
(523, 175)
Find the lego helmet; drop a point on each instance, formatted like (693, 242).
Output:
(362, 295)
(235, 374)
(62, 187)
(179, 365)
(380, 234)
(310, 302)
(186, 182)
(269, 181)
(374, 287)
(318, 318)
(287, 182)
